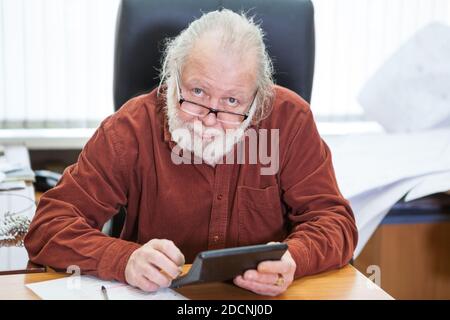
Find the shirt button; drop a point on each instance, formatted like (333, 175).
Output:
(216, 238)
(219, 197)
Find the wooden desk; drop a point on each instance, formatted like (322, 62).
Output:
(413, 242)
(342, 284)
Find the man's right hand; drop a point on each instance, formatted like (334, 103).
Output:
(154, 265)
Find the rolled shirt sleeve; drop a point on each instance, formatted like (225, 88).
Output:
(323, 232)
(66, 229)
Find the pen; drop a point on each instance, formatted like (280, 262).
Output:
(105, 293)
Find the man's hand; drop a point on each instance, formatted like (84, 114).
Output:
(154, 265)
(272, 277)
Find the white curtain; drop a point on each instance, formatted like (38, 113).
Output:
(56, 62)
(56, 56)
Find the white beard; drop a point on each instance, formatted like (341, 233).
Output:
(188, 135)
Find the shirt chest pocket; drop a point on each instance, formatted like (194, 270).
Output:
(260, 215)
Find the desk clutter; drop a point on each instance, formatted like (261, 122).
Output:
(15, 207)
(15, 171)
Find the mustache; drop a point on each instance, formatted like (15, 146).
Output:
(199, 129)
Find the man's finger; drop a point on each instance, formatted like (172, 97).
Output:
(145, 284)
(170, 250)
(162, 262)
(266, 278)
(154, 275)
(280, 266)
(258, 288)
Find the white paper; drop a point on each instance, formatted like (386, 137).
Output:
(374, 171)
(6, 166)
(11, 185)
(433, 183)
(411, 91)
(370, 161)
(371, 207)
(89, 288)
(371, 204)
(367, 231)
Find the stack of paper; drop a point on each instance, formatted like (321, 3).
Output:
(374, 171)
(14, 169)
(22, 174)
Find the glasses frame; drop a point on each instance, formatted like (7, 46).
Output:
(213, 110)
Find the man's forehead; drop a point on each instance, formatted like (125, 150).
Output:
(214, 67)
(234, 88)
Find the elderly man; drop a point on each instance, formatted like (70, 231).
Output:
(171, 157)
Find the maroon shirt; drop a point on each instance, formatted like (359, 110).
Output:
(128, 163)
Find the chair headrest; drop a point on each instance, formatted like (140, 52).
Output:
(142, 26)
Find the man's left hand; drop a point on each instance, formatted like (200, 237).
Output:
(271, 277)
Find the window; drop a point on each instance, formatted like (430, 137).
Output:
(353, 38)
(56, 57)
(56, 62)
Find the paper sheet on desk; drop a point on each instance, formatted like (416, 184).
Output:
(89, 288)
(367, 162)
(433, 183)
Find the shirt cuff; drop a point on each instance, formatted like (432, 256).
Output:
(114, 261)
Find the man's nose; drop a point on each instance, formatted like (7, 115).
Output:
(209, 120)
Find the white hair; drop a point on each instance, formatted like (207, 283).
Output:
(238, 33)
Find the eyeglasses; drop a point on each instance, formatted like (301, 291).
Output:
(198, 110)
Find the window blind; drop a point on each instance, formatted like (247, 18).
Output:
(56, 62)
(56, 56)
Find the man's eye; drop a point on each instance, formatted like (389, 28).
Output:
(197, 91)
(232, 102)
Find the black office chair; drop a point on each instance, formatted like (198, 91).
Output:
(142, 25)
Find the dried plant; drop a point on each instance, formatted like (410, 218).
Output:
(13, 230)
